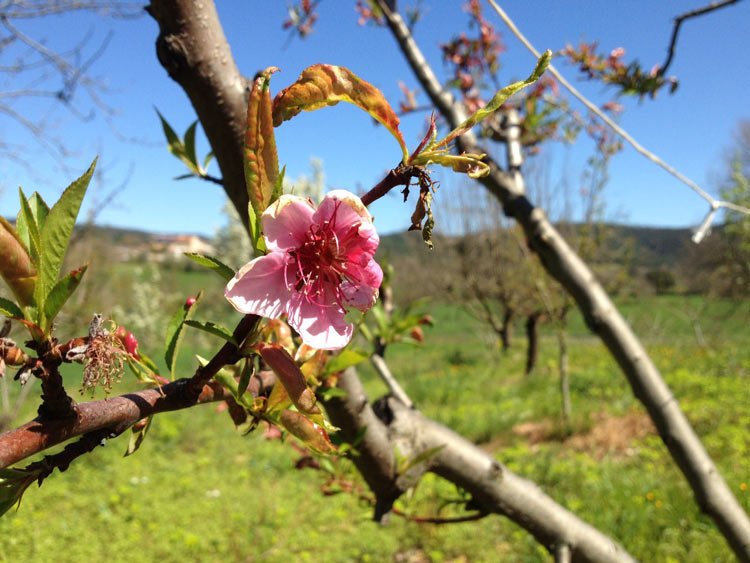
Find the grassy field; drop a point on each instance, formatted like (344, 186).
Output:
(199, 491)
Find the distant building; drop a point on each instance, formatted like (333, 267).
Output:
(173, 247)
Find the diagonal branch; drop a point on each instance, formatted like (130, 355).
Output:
(392, 426)
(562, 263)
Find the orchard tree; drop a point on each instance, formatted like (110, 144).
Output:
(313, 272)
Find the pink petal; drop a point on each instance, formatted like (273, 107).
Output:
(321, 327)
(286, 222)
(347, 208)
(260, 287)
(361, 291)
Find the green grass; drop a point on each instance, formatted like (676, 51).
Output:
(199, 491)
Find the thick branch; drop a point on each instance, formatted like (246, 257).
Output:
(562, 263)
(193, 49)
(392, 426)
(497, 489)
(375, 459)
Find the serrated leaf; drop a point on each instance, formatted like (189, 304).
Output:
(344, 360)
(56, 233)
(137, 437)
(61, 292)
(260, 158)
(213, 328)
(16, 267)
(175, 331)
(499, 99)
(213, 264)
(326, 85)
(10, 309)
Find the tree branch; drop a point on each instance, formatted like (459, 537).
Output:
(562, 263)
(114, 414)
(392, 426)
(678, 22)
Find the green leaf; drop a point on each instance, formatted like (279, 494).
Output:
(137, 437)
(248, 369)
(345, 359)
(10, 309)
(190, 154)
(322, 85)
(499, 99)
(55, 235)
(174, 333)
(213, 264)
(213, 328)
(261, 160)
(13, 483)
(62, 292)
(27, 228)
(174, 145)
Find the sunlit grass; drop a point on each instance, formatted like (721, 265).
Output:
(199, 491)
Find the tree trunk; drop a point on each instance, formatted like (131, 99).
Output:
(532, 339)
(506, 332)
(564, 368)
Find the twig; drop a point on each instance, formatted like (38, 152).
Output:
(678, 22)
(441, 521)
(228, 354)
(391, 382)
(399, 176)
(714, 203)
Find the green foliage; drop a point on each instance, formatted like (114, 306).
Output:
(161, 496)
(34, 252)
(184, 149)
(213, 264)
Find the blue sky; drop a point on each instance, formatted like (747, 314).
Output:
(690, 129)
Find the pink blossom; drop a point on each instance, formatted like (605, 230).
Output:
(319, 264)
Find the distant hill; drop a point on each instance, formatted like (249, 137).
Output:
(653, 247)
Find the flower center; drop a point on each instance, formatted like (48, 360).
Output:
(320, 265)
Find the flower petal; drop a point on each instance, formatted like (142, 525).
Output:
(345, 207)
(260, 287)
(286, 222)
(321, 327)
(361, 290)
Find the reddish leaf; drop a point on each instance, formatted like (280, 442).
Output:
(261, 159)
(326, 85)
(16, 267)
(290, 376)
(313, 435)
